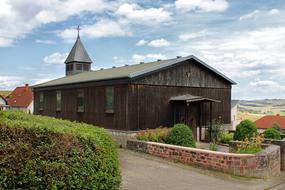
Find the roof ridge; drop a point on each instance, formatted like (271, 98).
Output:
(131, 71)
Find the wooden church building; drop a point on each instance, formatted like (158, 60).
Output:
(137, 97)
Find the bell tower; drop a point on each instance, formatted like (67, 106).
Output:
(78, 60)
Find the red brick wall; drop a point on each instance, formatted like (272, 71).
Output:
(248, 165)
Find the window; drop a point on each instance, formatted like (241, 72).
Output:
(80, 101)
(69, 67)
(58, 100)
(41, 104)
(86, 67)
(109, 99)
(79, 67)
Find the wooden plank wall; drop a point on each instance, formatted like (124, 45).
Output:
(188, 73)
(94, 106)
(149, 105)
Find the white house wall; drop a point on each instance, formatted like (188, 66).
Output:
(2, 102)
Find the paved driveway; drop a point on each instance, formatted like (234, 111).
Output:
(145, 172)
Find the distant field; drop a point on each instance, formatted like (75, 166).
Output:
(250, 116)
(5, 93)
(255, 109)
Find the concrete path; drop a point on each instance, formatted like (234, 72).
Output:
(145, 172)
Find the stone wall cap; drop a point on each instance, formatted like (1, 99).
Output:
(195, 149)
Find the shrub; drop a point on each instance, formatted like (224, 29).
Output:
(246, 129)
(154, 135)
(251, 146)
(213, 147)
(277, 127)
(272, 133)
(181, 135)
(216, 130)
(38, 152)
(227, 137)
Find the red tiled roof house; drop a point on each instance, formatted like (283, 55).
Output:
(21, 99)
(268, 121)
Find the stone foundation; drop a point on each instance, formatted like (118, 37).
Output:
(262, 165)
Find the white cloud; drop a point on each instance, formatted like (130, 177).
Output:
(154, 43)
(159, 43)
(263, 89)
(141, 43)
(45, 41)
(243, 54)
(5, 42)
(202, 5)
(253, 14)
(133, 13)
(148, 57)
(9, 82)
(267, 85)
(19, 18)
(55, 58)
(190, 36)
(257, 14)
(138, 57)
(40, 81)
(274, 12)
(103, 28)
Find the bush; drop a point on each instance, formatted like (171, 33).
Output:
(227, 137)
(246, 129)
(38, 152)
(251, 146)
(154, 135)
(216, 130)
(272, 133)
(181, 135)
(213, 147)
(277, 127)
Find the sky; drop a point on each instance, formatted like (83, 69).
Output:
(245, 40)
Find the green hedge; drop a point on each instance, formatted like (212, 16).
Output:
(38, 152)
(181, 135)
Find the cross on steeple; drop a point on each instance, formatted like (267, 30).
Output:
(78, 29)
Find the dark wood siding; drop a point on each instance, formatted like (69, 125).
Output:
(94, 113)
(149, 105)
(188, 74)
(142, 102)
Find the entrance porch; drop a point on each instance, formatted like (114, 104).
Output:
(196, 112)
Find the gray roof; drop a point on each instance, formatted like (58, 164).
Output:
(130, 71)
(78, 53)
(191, 98)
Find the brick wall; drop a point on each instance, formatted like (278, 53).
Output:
(264, 165)
(280, 143)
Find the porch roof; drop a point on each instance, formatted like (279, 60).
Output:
(191, 98)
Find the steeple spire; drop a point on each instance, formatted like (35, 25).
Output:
(78, 59)
(78, 29)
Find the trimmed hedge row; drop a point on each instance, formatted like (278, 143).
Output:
(38, 152)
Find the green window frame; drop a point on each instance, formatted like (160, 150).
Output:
(80, 101)
(109, 99)
(58, 100)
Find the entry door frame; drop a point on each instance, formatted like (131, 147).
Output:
(183, 109)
